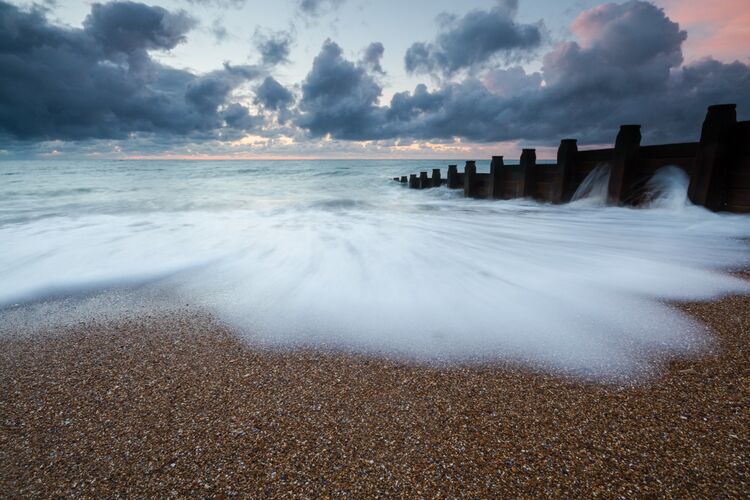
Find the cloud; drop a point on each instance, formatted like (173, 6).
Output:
(238, 119)
(511, 81)
(274, 47)
(720, 28)
(633, 34)
(477, 38)
(218, 30)
(625, 66)
(316, 8)
(339, 97)
(128, 27)
(271, 95)
(222, 4)
(208, 92)
(100, 81)
(467, 110)
(372, 55)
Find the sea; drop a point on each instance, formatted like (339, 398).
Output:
(336, 255)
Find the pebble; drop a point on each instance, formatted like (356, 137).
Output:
(174, 404)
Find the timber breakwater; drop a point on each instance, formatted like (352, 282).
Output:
(718, 166)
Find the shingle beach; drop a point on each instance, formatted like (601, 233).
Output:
(175, 404)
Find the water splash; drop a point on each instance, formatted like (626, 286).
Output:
(668, 189)
(369, 266)
(593, 191)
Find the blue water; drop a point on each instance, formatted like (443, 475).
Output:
(335, 253)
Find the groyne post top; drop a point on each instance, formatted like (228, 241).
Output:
(720, 118)
(567, 150)
(424, 181)
(628, 136)
(528, 160)
(624, 164)
(528, 155)
(453, 176)
(564, 186)
(709, 184)
(497, 162)
(496, 179)
(413, 182)
(470, 174)
(436, 179)
(470, 168)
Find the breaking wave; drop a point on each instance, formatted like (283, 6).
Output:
(363, 264)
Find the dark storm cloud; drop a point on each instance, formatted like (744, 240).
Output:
(475, 39)
(128, 27)
(238, 118)
(621, 48)
(625, 67)
(206, 93)
(274, 47)
(339, 97)
(100, 82)
(272, 95)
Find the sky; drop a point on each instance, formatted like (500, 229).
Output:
(240, 79)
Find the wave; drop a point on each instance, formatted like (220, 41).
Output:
(423, 274)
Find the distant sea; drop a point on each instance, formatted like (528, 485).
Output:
(336, 253)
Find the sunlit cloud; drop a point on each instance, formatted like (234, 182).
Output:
(720, 28)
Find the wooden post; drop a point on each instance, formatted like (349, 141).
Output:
(403, 179)
(566, 165)
(709, 182)
(424, 181)
(528, 162)
(624, 164)
(436, 180)
(453, 177)
(413, 182)
(470, 174)
(496, 178)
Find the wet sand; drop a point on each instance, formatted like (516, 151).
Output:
(174, 404)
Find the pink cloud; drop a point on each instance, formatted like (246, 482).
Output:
(718, 28)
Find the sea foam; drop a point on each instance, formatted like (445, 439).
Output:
(355, 262)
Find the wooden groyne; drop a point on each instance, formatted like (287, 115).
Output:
(718, 167)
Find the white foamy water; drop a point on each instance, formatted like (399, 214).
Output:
(337, 254)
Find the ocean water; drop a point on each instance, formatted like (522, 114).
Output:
(336, 254)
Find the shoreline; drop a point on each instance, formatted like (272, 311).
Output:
(173, 403)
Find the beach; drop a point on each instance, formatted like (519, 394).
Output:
(322, 248)
(174, 329)
(173, 403)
